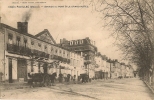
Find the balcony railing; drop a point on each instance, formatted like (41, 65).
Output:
(12, 48)
(39, 54)
(55, 57)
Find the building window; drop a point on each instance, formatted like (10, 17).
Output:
(56, 51)
(39, 44)
(64, 53)
(51, 49)
(71, 42)
(45, 47)
(81, 41)
(74, 63)
(76, 42)
(71, 61)
(32, 42)
(25, 42)
(10, 37)
(18, 41)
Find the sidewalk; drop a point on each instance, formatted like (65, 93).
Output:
(149, 86)
(9, 86)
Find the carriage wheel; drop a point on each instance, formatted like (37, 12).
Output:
(46, 80)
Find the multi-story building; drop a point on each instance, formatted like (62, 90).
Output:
(107, 71)
(123, 70)
(112, 72)
(77, 63)
(129, 71)
(103, 66)
(99, 67)
(22, 52)
(86, 48)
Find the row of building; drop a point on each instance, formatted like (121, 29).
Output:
(22, 53)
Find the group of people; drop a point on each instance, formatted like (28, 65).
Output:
(41, 77)
(67, 78)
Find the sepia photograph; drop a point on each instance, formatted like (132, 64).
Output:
(77, 49)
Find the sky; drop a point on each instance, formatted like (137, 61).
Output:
(70, 23)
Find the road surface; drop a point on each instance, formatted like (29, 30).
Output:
(112, 89)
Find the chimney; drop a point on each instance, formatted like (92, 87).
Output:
(22, 27)
(61, 41)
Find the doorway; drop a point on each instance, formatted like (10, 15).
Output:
(10, 70)
(22, 70)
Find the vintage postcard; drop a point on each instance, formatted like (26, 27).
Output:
(77, 49)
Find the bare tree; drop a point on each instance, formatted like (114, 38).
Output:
(133, 25)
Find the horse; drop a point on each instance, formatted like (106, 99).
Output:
(53, 77)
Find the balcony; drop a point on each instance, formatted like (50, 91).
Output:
(39, 54)
(42, 54)
(64, 59)
(25, 51)
(12, 48)
(46, 55)
(35, 53)
(55, 57)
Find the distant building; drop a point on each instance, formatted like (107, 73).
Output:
(86, 48)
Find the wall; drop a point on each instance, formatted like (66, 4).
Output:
(6, 69)
(1, 54)
(14, 68)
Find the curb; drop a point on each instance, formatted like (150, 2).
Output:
(12, 88)
(149, 87)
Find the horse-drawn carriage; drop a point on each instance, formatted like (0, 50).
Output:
(84, 77)
(44, 79)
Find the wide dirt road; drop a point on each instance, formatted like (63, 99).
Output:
(112, 89)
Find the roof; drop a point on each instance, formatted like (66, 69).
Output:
(30, 35)
(46, 31)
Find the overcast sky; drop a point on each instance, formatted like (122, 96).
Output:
(69, 23)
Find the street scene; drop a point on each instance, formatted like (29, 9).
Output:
(112, 89)
(77, 49)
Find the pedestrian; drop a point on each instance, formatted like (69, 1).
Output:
(68, 77)
(74, 79)
(60, 77)
(83, 78)
(65, 77)
(90, 78)
(30, 80)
